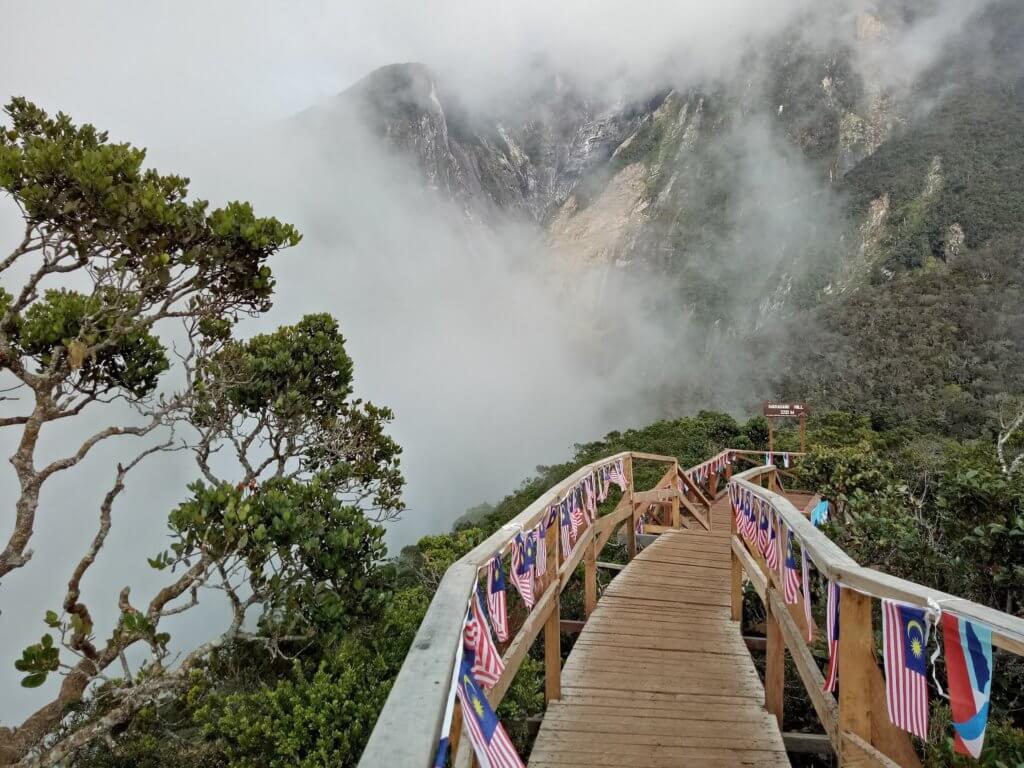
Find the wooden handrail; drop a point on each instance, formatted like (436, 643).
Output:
(416, 705)
(835, 564)
(859, 735)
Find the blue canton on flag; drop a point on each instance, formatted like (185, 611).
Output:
(491, 743)
(905, 633)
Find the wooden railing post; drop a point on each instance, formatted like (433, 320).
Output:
(737, 575)
(552, 627)
(590, 578)
(631, 529)
(856, 665)
(676, 519)
(775, 666)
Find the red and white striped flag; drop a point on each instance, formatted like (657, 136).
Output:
(565, 529)
(496, 606)
(764, 527)
(618, 476)
(490, 741)
(832, 634)
(805, 569)
(905, 641)
(521, 571)
(541, 566)
(480, 649)
(590, 497)
(575, 512)
(792, 578)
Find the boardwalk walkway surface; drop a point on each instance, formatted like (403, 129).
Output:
(660, 675)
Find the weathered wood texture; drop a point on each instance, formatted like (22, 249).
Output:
(660, 675)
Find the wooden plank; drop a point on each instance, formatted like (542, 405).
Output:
(807, 743)
(590, 579)
(610, 566)
(824, 703)
(520, 645)
(858, 753)
(751, 568)
(856, 660)
(775, 666)
(552, 627)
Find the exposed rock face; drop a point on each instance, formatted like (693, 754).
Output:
(527, 168)
(769, 184)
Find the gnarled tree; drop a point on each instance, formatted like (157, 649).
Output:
(294, 475)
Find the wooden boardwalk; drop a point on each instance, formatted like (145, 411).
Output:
(660, 675)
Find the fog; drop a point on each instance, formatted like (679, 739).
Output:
(490, 360)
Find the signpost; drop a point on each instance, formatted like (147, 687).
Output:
(776, 410)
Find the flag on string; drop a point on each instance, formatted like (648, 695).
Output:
(575, 512)
(588, 495)
(785, 460)
(832, 635)
(819, 515)
(905, 640)
(441, 755)
(491, 743)
(763, 532)
(805, 570)
(566, 530)
(767, 459)
(480, 649)
(772, 550)
(969, 670)
(521, 573)
(640, 524)
(540, 566)
(602, 484)
(749, 522)
(792, 580)
(618, 476)
(496, 598)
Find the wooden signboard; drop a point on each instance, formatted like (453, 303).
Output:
(778, 410)
(792, 410)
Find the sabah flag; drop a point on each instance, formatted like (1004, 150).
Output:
(969, 668)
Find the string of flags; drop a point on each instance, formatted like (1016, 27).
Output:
(906, 632)
(713, 466)
(478, 662)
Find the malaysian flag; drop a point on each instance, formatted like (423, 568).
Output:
(764, 527)
(491, 743)
(772, 555)
(540, 567)
(480, 649)
(575, 511)
(496, 598)
(792, 580)
(805, 578)
(618, 475)
(832, 634)
(566, 530)
(749, 523)
(590, 497)
(905, 640)
(521, 572)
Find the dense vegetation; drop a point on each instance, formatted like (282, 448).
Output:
(934, 509)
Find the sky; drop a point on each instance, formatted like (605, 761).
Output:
(457, 330)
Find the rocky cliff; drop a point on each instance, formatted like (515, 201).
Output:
(809, 190)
